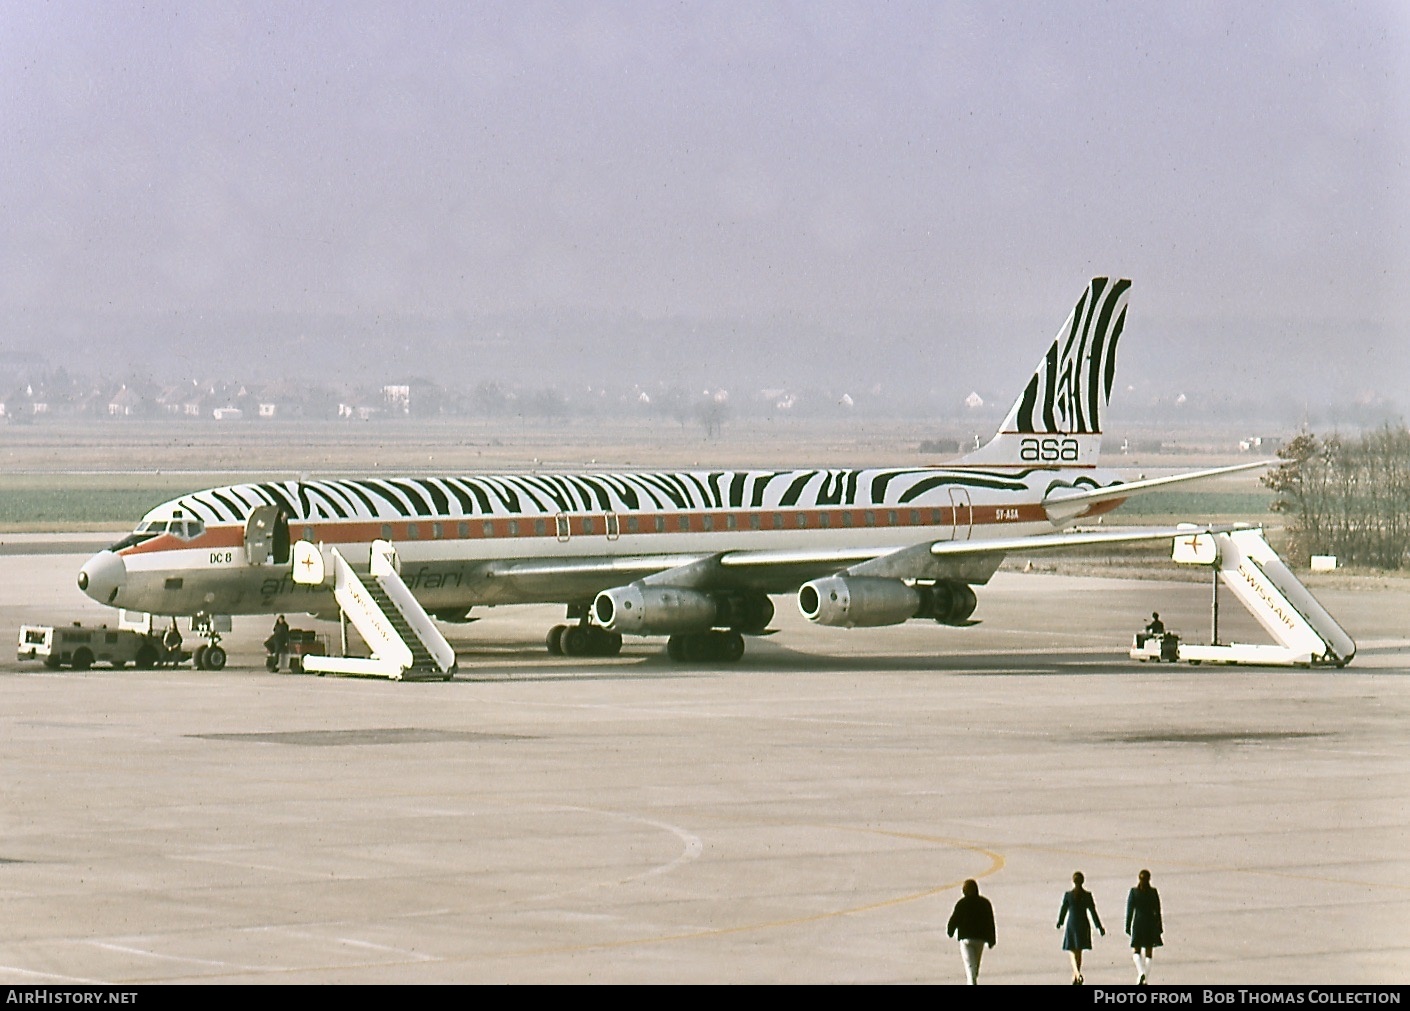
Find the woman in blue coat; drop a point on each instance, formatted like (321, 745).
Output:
(1076, 906)
(1143, 924)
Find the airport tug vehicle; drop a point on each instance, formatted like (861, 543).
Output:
(133, 642)
(1305, 634)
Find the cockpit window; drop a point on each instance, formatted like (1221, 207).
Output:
(186, 529)
(136, 537)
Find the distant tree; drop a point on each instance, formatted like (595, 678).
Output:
(712, 412)
(1346, 498)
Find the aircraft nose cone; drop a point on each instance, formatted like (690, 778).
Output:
(102, 576)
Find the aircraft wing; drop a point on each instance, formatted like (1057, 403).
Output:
(1069, 503)
(781, 571)
(964, 561)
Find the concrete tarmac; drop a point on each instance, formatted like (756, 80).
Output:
(804, 816)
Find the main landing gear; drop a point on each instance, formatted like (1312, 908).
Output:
(720, 645)
(715, 646)
(583, 640)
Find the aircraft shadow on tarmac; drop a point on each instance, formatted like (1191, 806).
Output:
(521, 664)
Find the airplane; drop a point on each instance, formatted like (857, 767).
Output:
(691, 555)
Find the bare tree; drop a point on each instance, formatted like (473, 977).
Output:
(1346, 498)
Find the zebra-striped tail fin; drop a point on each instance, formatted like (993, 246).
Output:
(1057, 420)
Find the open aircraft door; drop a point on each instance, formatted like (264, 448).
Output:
(963, 512)
(267, 536)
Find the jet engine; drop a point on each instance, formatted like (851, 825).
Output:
(638, 609)
(654, 610)
(869, 601)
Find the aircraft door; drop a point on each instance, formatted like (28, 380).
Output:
(962, 511)
(267, 536)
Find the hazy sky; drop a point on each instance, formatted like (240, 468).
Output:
(878, 190)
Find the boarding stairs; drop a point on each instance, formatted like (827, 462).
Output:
(1306, 634)
(404, 641)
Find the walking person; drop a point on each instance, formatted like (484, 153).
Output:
(973, 922)
(1144, 925)
(1077, 905)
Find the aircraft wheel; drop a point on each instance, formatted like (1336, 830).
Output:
(83, 659)
(198, 658)
(146, 657)
(555, 640)
(577, 641)
(675, 649)
(698, 648)
(271, 664)
(296, 665)
(607, 643)
(215, 658)
(52, 662)
(729, 646)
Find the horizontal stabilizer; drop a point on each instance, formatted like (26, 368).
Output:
(1058, 541)
(1062, 504)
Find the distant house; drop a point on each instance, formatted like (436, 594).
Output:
(397, 398)
(125, 403)
(357, 412)
(227, 414)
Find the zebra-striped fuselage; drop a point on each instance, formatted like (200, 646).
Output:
(455, 535)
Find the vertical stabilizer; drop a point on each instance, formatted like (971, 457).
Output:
(1057, 420)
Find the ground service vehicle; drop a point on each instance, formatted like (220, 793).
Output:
(80, 646)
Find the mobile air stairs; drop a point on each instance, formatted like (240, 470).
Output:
(404, 641)
(1306, 635)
